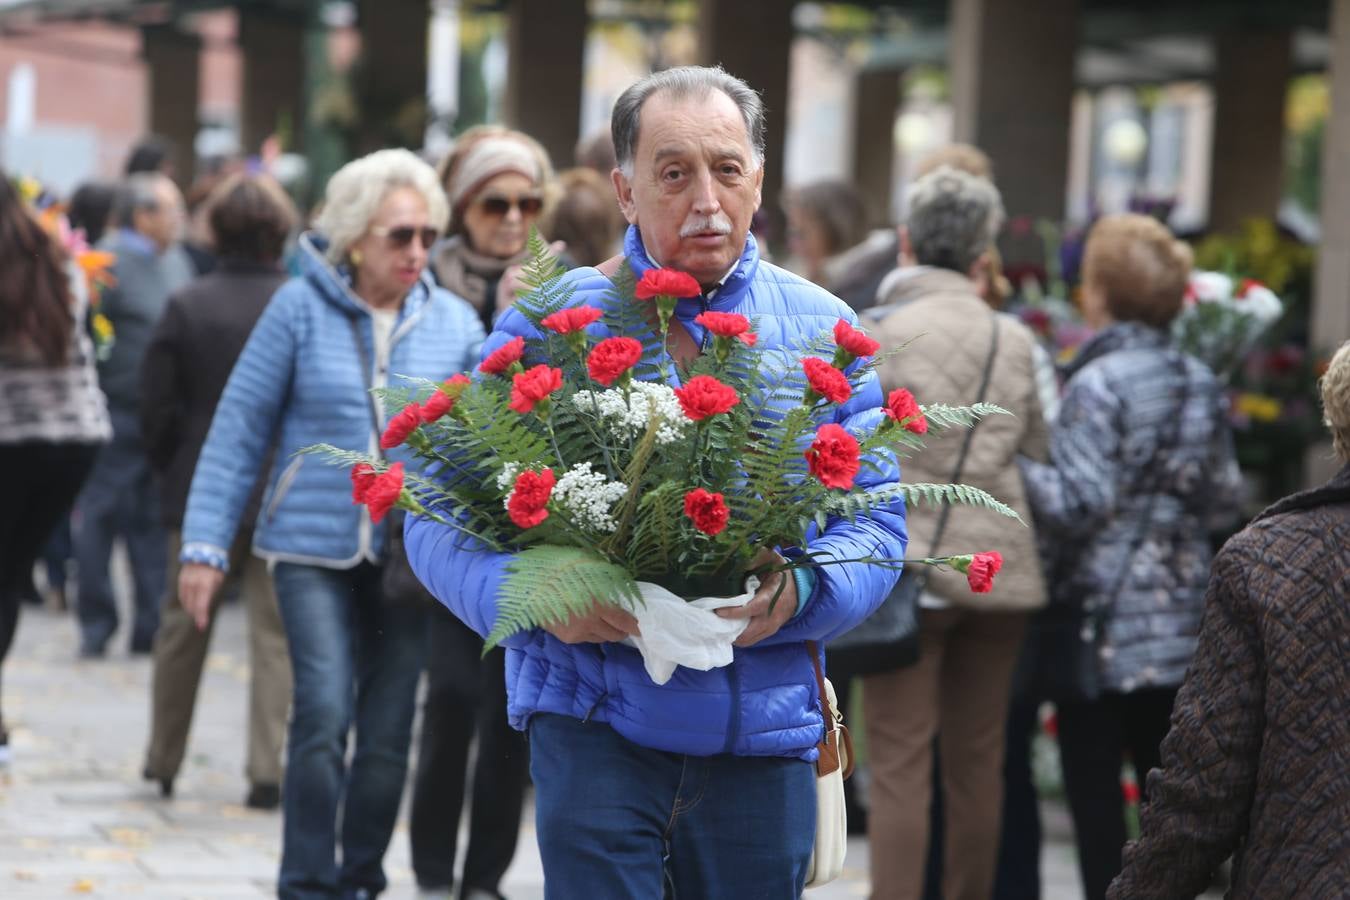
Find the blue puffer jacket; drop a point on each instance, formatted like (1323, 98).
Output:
(299, 378)
(765, 703)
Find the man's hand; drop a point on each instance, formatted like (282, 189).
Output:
(763, 621)
(197, 585)
(602, 623)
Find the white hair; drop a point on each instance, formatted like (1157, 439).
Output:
(356, 191)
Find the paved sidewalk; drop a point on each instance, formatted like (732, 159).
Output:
(76, 819)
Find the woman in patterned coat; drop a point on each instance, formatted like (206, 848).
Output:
(1140, 462)
(1257, 759)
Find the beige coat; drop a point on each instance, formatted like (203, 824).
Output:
(950, 327)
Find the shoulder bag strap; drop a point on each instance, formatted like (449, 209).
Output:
(1173, 439)
(365, 378)
(965, 444)
(836, 748)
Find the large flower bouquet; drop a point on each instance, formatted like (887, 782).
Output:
(600, 477)
(1223, 318)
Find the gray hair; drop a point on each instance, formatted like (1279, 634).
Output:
(356, 190)
(137, 192)
(953, 218)
(684, 82)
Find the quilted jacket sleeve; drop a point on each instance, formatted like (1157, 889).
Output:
(237, 445)
(1076, 490)
(1200, 800)
(847, 593)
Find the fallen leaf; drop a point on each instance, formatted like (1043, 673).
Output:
(83, 886)
(25, 875)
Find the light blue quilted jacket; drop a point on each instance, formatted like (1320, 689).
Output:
(299, 378)
(765, 703)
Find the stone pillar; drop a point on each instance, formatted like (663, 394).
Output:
(545, 70)
(391, 76)
(753, 41)
(1012, 77)
(876, 103)
(1251, 83)
(273, 48)
(173, 63)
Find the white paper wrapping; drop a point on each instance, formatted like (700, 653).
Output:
(676, 632)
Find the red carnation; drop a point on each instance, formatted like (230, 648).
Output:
(1246, 286)
(826, 380)
(568, 321)
(666, 283)
(727, 325)
(383, 492)
(904, 409)
(707, 511)
(504, 357)
(854, 341)
(528, 388)
(833, 457)
(401, 425)
(363, 476)
(705, 396)
(444, 398)
(529, 498)
(1129, 792)
(612, 357)
(983, 568)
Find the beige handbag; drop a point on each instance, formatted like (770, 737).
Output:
(833, 766)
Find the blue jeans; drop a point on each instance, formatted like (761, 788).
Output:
(356, 659)
(119, 499)
(621, 822)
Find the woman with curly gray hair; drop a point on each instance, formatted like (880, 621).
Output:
(1255, 765)
(956, 350)
(363, 313)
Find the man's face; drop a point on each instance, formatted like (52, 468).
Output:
(163, 224)
(695, 184)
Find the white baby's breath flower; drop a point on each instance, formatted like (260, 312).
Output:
(588, 497)
(628, 417)
(506, 479)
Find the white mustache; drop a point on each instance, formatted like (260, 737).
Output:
(714, 224)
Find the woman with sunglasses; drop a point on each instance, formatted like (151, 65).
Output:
(498, 182)
(363, 312)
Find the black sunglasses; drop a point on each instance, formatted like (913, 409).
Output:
(500, 206)
(402, 235)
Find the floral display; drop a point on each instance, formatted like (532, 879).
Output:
(598, 467)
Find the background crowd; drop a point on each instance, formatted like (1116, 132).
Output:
(1119, 459)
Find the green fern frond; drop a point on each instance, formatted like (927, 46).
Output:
(941, 415)
(547, 585)
(858, 503)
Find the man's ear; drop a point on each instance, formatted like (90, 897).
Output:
(623, 189)
(759, 187)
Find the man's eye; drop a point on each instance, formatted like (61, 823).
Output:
(731, 170)
(672, 175)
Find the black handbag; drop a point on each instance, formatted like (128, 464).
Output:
(888, 639)
(399, 585)
(1064, 640)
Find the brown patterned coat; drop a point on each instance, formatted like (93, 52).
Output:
(1258, 760)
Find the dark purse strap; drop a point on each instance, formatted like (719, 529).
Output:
(965, 445)
(1146, 522)
(365, 379)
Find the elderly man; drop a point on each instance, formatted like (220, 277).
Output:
(704, 785)
(119, 497)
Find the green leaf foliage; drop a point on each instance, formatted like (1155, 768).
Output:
(547, 585)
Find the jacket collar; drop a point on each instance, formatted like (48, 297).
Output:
(1116, 337)
(910, 283)
(334, 283)
(727, 296)
(1337, 490)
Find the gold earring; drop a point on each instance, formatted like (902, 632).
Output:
(355, 258)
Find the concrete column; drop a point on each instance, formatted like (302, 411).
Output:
(173, 61)
(1012, 77)
(273, 49)
(753, 41)
(391, 78)
(1251, 82)
(876, 103)
(545, 70)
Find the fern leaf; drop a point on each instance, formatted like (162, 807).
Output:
(547, 585)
